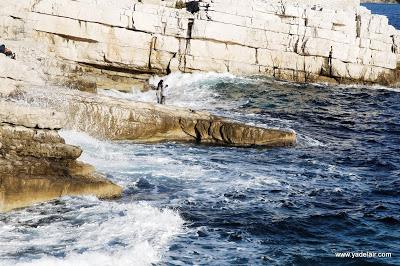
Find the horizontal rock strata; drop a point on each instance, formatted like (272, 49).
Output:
(35, 163)
(120, 43)
(120, 119)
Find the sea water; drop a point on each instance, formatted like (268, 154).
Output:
(336, 191)
(392, 11)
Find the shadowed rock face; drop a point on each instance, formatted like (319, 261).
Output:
(22, 190)
(35, 163)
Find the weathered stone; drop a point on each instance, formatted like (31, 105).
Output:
(120, 119)
(17, 191)
(35, 163)
(131, 40)
(30, 117)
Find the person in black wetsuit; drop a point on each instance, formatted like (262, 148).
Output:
(6, 51)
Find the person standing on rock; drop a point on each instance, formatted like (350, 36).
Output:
(6, 51)
(161, 92)
(160, 85)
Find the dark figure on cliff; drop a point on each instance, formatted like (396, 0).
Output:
(161, 92)
(6, 51)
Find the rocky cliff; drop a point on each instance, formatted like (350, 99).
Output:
(119, 44)
(55, 48)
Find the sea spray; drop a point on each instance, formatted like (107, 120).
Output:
(185, 90)
(86, 231)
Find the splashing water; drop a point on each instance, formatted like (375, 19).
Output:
(336, 191)
(193, 91)
(86, 231)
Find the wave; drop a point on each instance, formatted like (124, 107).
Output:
(195, 91)
(126, 159)
(305, 141)
(84, 231)
(374, 87)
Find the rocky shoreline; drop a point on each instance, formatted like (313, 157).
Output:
(119, 119)
(35, 163)
(64, 44)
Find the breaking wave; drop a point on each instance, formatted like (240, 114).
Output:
(195, 91)
(86, 231)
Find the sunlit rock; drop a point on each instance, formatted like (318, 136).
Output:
(37, 165)
(123, 43)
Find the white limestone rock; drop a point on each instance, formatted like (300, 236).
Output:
(245, 37)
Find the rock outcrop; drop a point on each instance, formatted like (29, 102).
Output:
(120, 43)
(120, 119)
(35, 163)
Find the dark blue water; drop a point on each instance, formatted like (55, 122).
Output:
(337, 191)
(391, 11)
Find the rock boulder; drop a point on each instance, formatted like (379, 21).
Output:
(37, 165)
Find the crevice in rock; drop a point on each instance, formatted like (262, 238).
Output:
(71, 38)
(94, 22)
(116, 68)
(169, 64)
(152, 47)
(394, 46)
(17, 18)
(198, 134)
(190, 28)
(188, 38)
(257, 56)
(330, 61)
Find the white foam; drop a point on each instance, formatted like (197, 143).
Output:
(142, 233)
(185, 90)
(307, 141)
(128, 158)
(370, 87)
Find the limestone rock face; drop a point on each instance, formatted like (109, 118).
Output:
(119, 44)
(36, 164)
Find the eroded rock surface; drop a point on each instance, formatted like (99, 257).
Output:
(37, 165)
(120, 119)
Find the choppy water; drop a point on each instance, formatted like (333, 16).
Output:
(336, 191)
